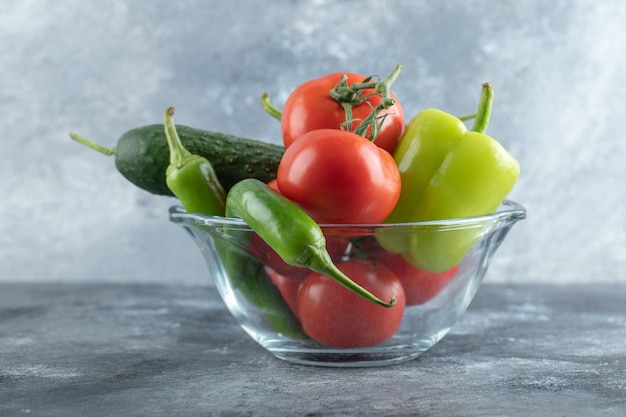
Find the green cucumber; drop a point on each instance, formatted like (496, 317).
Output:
(142, 156)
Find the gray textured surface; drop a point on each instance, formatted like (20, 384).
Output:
(101, 68)
(104, 350)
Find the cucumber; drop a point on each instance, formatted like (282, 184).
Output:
(142, 156)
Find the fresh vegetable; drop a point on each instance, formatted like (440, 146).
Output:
(335, 246)
(419, 284)
(248, 276)
(339, 177)
(338, 318)
(448, 172)
(289, 231)
(344, 101)
(427, 140)
(142, 156)
(348, 158)
(260, 250)
(191, 178)
(287, 285)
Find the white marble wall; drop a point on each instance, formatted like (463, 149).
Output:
(101, 68)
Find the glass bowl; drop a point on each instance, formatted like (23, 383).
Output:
(261, 291)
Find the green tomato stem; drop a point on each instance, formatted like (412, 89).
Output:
(384, 87)
(483, 114)
(93, 145)
(269, 108)
(350, 96)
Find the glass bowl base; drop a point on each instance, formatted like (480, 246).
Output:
(342, 358)
(345, 360)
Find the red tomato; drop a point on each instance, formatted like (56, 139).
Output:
(337, 317)
(419, 285)
(339, 177)
(287, 286)
(273, 184)
(310, 107)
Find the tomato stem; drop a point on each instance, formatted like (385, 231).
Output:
(269, 108)
(384, 87)
(350, 96)
(483, 114)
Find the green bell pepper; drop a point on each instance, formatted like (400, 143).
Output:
(448, 172)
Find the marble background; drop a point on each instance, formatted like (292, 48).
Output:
(558, 70)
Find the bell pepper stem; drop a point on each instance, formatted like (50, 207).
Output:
(93, 145)
(269, 108)
(481, 121)
(466, 117)
(178, 153)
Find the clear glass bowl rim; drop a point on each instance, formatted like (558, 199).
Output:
(509, 211)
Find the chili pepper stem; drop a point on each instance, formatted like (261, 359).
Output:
(178, 153)
(316, 258)
(269, 108)
(481, 120)
(93, 145)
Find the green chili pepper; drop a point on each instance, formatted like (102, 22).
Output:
(448, 172)
(191, 178)
(248, 276)
(290, 231)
